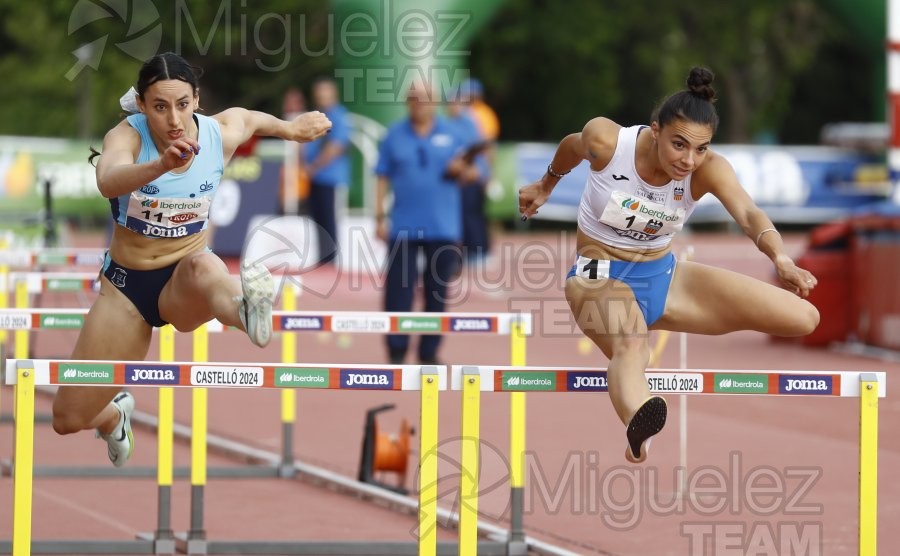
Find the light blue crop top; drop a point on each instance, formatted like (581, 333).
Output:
(173, 205)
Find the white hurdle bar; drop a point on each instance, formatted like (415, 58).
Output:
(40, 282)
(57, 256)
(354, 322)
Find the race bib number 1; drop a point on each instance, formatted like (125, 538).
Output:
(592, 269)
(639, 218)
(166, 217)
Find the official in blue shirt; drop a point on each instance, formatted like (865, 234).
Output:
(423, 160)
(328, 166)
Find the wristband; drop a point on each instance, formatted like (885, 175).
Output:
(554, 174)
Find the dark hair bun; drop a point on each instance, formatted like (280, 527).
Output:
(699, 82)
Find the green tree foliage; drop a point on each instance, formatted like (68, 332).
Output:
(547, 65)
(550, 66)
(757, 48)
(250, 53)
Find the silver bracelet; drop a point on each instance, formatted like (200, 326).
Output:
(554, 174)
(759, 237)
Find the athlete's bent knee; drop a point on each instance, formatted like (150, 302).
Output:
(802, 320)
(632, 345)
(809, 319)
(67, 422)
(203, 267)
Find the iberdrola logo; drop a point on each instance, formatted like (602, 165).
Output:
(631, 204)
(136, 21)
(152, 203)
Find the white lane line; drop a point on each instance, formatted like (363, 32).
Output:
(103, 518)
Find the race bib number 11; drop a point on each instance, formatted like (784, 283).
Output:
(166, 217)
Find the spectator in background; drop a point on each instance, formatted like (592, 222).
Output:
(485, 118)
(475, 242)
(292, 105)
(476, 239)
(328, 166)
(422, 160)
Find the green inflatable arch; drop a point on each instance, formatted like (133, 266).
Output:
(386, 45)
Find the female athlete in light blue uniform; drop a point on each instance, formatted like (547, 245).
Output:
(174, 205)
(160, 169)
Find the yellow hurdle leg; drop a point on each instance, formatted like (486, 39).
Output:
(165, 439)
(517, 411)
(4, 294)
(24, 459)
(288, 395)
(428, 462)
(199, 413)
(517, 423)
(21, 336)
(868, 463)
(468, 461)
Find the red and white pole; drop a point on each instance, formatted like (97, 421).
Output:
(893, 92)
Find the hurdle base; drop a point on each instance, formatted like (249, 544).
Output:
(516, 548)
(392, 488)
(142, 472)
(42, 418)
(287, 471)
(348, 548)
(187, 545)
(85, 547)
(159, 546)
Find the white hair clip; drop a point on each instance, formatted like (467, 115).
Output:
(128, 101)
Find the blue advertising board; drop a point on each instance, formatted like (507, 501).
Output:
(803, 184)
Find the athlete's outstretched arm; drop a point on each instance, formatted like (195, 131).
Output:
(717, 177)
(240, 124)
(591, 143)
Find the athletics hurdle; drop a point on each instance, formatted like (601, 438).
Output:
(4, 286)
(56, 256)
(867, 386)
(22, 319)
(518, 326)
(40, 282)
(428, 380)
(19, 258)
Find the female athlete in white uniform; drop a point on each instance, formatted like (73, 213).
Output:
(643, 185)
(160, 169)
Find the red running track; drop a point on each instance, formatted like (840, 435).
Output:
(774, 475)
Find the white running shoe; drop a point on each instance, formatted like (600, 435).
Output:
(256, 303)
(120, 442)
